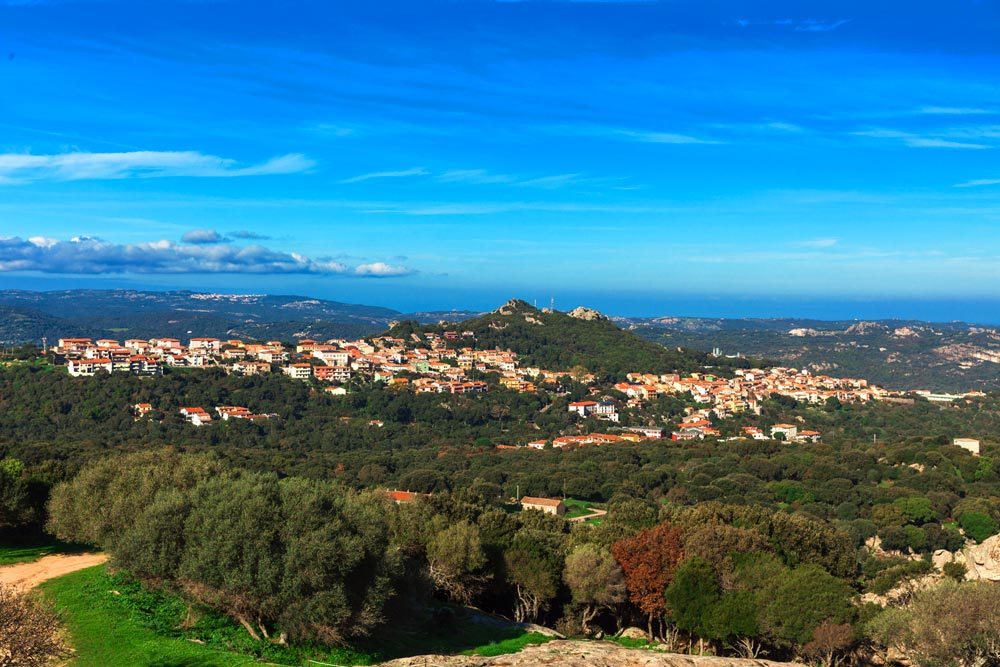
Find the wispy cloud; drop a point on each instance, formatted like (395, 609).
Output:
(25, 167)
(482, 177)
(661, 137)
(90, 255)
(404, 173)
(800, 25)
(813, 25)
(819, 243)
(203, 237)
(978, 182)
(244, 234)
(921, 141)
(477, 176)
(954, 111)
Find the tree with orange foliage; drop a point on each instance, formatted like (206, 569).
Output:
(649, 560)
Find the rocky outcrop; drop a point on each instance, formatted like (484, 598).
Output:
(582, 654)
(588, 314)
(864, 328)
(514, 306)
(982, 561)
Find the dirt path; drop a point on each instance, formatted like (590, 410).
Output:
(29, 575)
(593, 515)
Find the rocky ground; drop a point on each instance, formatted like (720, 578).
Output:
(565, 653)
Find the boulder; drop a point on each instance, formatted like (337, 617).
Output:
(582, 313)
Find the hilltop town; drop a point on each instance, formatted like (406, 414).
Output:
(449, 362)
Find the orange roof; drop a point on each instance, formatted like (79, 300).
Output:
(544, 502)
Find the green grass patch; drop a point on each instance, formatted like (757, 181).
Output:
(631, 642)
(113, 621)
(508, 645)
(103, 636)
(576, 508)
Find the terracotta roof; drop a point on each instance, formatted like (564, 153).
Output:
(544, 502)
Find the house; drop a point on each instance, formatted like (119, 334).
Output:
(400, 497)
(251, 368)
(968, 444)
(582, 408)
(651, 433)
(207, 345)
(547, 505)
(88, 367)
(143, 365)
(788, 431)
(298, 371)
(196, 416)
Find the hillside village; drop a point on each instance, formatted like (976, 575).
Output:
(450, 363)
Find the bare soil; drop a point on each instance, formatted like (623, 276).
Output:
(28, 575)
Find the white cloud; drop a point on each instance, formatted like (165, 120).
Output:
(381, 270)
(405, 173)
(88, 255)
(25, 167)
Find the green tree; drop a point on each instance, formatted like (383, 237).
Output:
(595, 581)
(534, 566)
(456, 561)
(693, 595)
(978, 525)
(798, 603)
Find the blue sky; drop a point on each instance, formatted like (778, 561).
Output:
(639, 157)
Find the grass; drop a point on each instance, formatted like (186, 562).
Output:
(114, 622)
(102, 635)
(509, 645)
(577, 508)
(631, 642)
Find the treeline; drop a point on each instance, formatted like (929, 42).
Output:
(308, 560)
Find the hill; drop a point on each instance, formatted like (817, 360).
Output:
(555, 340)
(897, 354)
(26, 316)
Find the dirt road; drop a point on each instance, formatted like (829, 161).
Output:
(29, 575)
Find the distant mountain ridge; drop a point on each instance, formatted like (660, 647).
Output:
(898, 354)
(26, 316)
